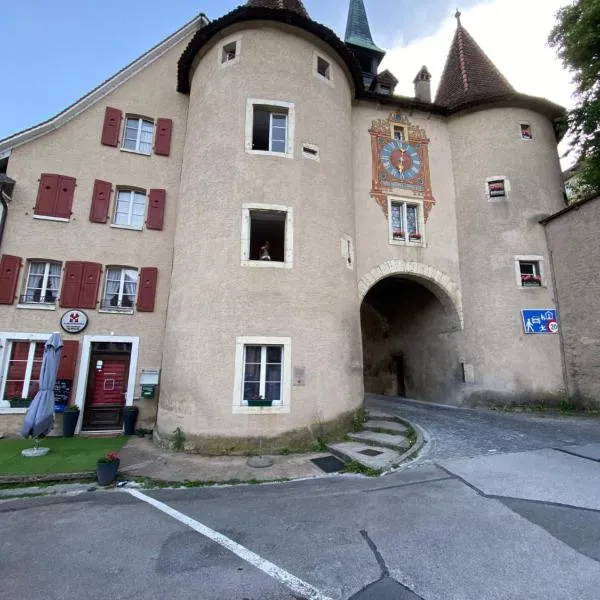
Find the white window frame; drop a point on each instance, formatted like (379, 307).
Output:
(528, 124)
(290, 112)
(315, 68)
(6, 339)
(40, 305)
(401, 126)
(283, 407)
(532, 258)
(506, 181)
(420, 217)
(289, 236)
(132, 192)
(237, 40)
(123, 310)
(138, 140)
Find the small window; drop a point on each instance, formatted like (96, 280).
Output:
(267, 235)
(405, 221)
(263, 374)
(385, 89)
(526, 133)
(400, 133)
(530, 273)
(497, 188)
(120, 289)
(130, 209)
(138, 135)
(42, 283)
(269, 129)
(229, 52)
(323, 68)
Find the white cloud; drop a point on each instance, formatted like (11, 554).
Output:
(513, 33)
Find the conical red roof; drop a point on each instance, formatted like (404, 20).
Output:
(469, 75)
(295, 5)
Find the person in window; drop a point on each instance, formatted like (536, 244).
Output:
(264, 251)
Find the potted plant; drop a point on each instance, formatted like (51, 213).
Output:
(398, 235)
(107, 467)
(130, 415)
(70, 418)
(415, 235)
(527, 280)
(256, 400)
(18, 402)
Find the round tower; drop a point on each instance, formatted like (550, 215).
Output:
(262, 332)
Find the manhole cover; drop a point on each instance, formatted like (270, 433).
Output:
(370, 452)
(329, 464)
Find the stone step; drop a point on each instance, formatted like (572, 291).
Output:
(384, 459)
(380, 415)
(393, 442)
(386, 426)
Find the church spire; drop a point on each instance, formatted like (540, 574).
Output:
(469, 75)
(358, 32)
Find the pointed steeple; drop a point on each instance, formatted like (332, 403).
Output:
(358, 32)
(469, 75)
(295, 5)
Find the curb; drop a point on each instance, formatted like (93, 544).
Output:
(417, 445)
(55, 477)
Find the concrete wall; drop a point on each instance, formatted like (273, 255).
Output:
(315, 302)
(575, 245)
(75, 150)
(491, 234)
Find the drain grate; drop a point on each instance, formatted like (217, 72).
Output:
(370, 452)
(329, 464)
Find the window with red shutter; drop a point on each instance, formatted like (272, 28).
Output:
(162, 143)
(69, 295)
(64, 198)
(90, 283)
(156, 209)
(47, 191)
(147, 289)
(68, 360)
(9, 275)
(111, 127)
(100, 201)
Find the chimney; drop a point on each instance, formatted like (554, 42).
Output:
(423, 85)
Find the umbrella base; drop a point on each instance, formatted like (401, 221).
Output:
(33, 452)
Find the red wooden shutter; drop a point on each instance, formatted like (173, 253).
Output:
(68, 360)
(69, 294)
(156, 209)
(46, 198)
(9, 274)
(64, 198)
(112, 127)
(90, 282)
(147, 289)
(162, 143)
(100, 201)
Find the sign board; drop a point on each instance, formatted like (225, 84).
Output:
(74, 321)
(540, 320)
(62, 391)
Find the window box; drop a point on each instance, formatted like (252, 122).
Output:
(414, 236)
(260, 402)
(20, 402)
(531, 280)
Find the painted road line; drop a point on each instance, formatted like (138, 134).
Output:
(297, 586)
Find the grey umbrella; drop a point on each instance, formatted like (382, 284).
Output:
(39, 419)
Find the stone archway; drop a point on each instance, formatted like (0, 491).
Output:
(433, 279)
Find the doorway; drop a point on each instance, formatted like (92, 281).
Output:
(107, 385)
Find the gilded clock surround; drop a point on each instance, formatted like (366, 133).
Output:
(390, 160)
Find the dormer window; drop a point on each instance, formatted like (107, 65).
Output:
(385, 89)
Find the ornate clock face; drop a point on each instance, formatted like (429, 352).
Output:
(401, 160)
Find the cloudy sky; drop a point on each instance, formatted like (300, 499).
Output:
(55, 52)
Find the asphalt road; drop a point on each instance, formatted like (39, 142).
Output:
(492, 526)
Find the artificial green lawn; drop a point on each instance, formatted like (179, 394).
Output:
(67, 455)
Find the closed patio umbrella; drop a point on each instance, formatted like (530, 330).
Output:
(39, 419)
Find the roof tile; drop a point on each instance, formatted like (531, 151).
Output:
(295, 5)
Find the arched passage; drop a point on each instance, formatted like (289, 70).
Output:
(411, 319)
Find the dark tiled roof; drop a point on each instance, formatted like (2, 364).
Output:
(358, 31)
(469, 75)
(295, 5)
(386, 77)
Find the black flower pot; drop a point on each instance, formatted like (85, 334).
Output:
(130, 415)
(70, 418)
(106, 472)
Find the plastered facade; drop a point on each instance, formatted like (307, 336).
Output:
(459, 303)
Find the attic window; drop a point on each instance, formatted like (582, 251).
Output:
(229, 52)
(384, 88)
(323, 68)
(526, 133)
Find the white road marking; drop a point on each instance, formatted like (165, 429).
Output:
(297, 586)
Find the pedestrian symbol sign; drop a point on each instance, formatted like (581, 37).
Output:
(540, 320)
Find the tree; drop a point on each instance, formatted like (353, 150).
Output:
(576, 38)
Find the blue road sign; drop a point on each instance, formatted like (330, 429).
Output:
(540, 320)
